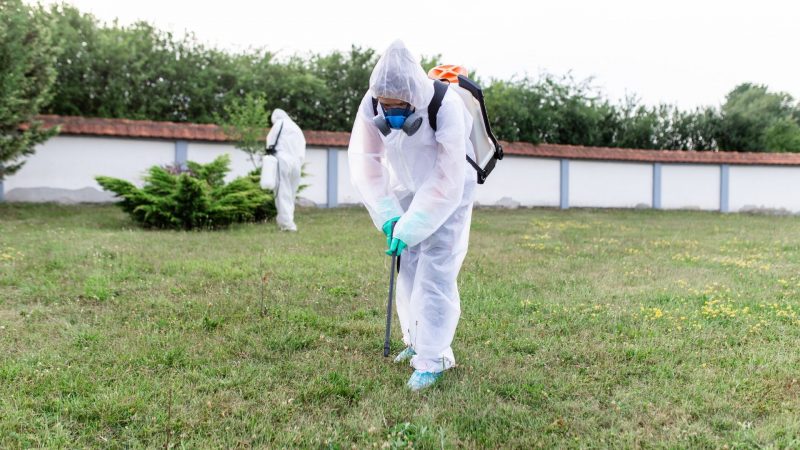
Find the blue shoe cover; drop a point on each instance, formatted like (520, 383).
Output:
(420, 380)
(405, 355)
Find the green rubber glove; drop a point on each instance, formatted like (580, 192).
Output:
(387, 229)
(396, 247)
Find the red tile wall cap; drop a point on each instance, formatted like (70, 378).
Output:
(146, 129)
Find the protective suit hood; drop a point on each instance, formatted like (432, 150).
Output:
(279, 114)
(399, 75)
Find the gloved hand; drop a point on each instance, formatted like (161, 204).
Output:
(396, 247)
(387, 229)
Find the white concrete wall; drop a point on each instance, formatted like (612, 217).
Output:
(347, 192)
(71, 162)
(205, 152)
(764, 187)
(529, 181)
(690, 186)
(315, 166)
(610, 184)
(63, 168)
(316, 169)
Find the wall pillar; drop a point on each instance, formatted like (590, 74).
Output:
(657, 186)
(181, 154)
(333, 177)
(564, 188)
(724, 188)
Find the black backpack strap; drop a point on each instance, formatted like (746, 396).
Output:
(375, 106)
(271, 147)
(439, 89)
(474, 164)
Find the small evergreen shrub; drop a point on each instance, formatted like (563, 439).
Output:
(193, 198)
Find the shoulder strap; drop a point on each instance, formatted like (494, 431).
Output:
(375, 106)
(278, 137)
(439, 89)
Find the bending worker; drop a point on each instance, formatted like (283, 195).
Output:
(286, 139)
(417, 180)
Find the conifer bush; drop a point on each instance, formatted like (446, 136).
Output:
(196, 197)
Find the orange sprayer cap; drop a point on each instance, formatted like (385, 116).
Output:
(447, 72)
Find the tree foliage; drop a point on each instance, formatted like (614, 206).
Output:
(245, 121)
(139, 72)
(754, 119)
(27, 73)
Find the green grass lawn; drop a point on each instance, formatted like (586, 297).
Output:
(579, 328)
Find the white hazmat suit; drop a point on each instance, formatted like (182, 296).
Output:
(426, 180)
(290, 146)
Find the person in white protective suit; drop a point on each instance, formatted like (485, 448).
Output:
(422, 184)
(290, 146)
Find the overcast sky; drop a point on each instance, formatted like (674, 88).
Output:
(679, 51)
